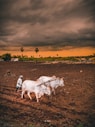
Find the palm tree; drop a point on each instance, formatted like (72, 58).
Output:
(36, 50)
(22, 49)
(57, 55)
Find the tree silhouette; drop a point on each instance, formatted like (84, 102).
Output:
(57, 55)
(22, 50)
(36, 50)
(6, 57)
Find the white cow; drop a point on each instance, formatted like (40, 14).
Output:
(53, 82)
(46, 78)
(36, 87)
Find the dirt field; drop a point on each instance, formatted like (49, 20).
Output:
(72, 106)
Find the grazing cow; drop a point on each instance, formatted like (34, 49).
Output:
(53, 82)
(36, 87)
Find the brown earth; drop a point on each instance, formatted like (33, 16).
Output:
(72, 106)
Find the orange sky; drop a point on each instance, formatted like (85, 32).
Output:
(64, 53)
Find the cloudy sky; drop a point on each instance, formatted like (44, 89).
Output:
(49, 24)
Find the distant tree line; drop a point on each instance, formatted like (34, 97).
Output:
(8, 57)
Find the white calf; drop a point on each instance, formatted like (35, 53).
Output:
(36, 87)
(53, 82)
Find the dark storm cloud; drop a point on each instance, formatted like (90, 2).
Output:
(90, 5)
(37, 4)
(55, 23)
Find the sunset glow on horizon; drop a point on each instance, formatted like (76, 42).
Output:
(63, 53)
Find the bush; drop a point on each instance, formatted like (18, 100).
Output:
(6, 57)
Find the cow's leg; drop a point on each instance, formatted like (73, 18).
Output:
(22, 94)
(29, 95)
(53, 90)
(37, 97)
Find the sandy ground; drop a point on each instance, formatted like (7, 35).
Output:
(72, 106)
